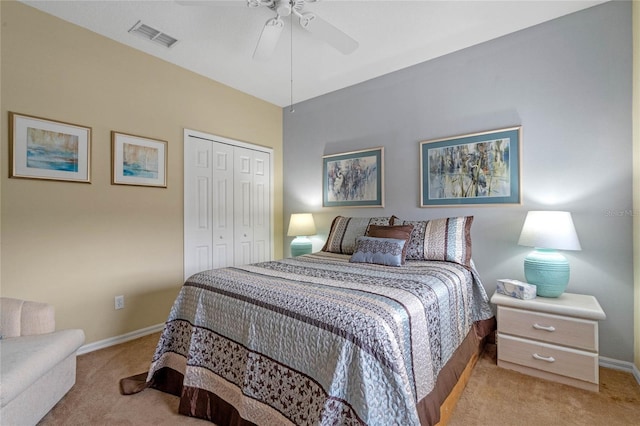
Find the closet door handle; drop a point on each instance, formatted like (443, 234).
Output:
(548, 328)
(544, 358)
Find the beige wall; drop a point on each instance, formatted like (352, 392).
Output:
(79, 245)
(636, 176)
(2, 153)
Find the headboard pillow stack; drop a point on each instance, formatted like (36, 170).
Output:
(345, 230)
(447, 239)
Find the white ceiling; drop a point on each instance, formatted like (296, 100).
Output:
(217, 38)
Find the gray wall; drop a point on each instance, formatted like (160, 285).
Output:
(567, 82)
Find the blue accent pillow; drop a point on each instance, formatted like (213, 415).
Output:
(381, 251)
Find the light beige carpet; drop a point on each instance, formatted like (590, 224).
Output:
(493, 396)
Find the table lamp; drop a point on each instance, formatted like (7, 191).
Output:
(301, 225)
(548, 269)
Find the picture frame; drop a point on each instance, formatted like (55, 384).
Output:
(472, 170)
(41, 148)
(353, 179)
(138, 160)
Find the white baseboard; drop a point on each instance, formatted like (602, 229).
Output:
(620, 365)
(101, 344)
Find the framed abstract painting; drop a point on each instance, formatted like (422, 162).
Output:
(473, 169)
(138, 160)
(353, 179)
(48, 149)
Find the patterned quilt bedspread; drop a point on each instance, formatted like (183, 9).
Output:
(317, 339)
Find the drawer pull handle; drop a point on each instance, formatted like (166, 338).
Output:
(544, 358)
(544, 327)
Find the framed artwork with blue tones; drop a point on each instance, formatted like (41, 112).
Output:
(353, 179)
(138, 160)
(48, 149)
(473, 169)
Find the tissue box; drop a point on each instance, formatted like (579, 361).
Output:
(515, 288)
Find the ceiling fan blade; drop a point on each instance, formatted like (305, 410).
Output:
(268, 39)
(327, 32)
(209, 2)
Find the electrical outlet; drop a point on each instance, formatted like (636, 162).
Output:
(119, 302)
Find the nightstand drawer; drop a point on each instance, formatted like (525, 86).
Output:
(566, 331)
(567, 362)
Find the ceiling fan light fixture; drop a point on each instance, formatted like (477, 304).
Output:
(283, 9)
(258, 3)
(309, 21)
(305, 19)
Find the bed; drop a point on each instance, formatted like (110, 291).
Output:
(325, 339)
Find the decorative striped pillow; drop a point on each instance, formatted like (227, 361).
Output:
(344, 231)
(381, 251)
(447, 239)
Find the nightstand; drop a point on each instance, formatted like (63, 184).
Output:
(551, 338)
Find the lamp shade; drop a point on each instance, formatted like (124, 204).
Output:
(300, 226)
(548, 231)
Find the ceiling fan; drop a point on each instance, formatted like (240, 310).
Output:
(308, 21)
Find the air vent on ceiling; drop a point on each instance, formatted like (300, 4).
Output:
(153, 34)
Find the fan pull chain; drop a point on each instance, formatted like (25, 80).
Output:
(291, 109)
